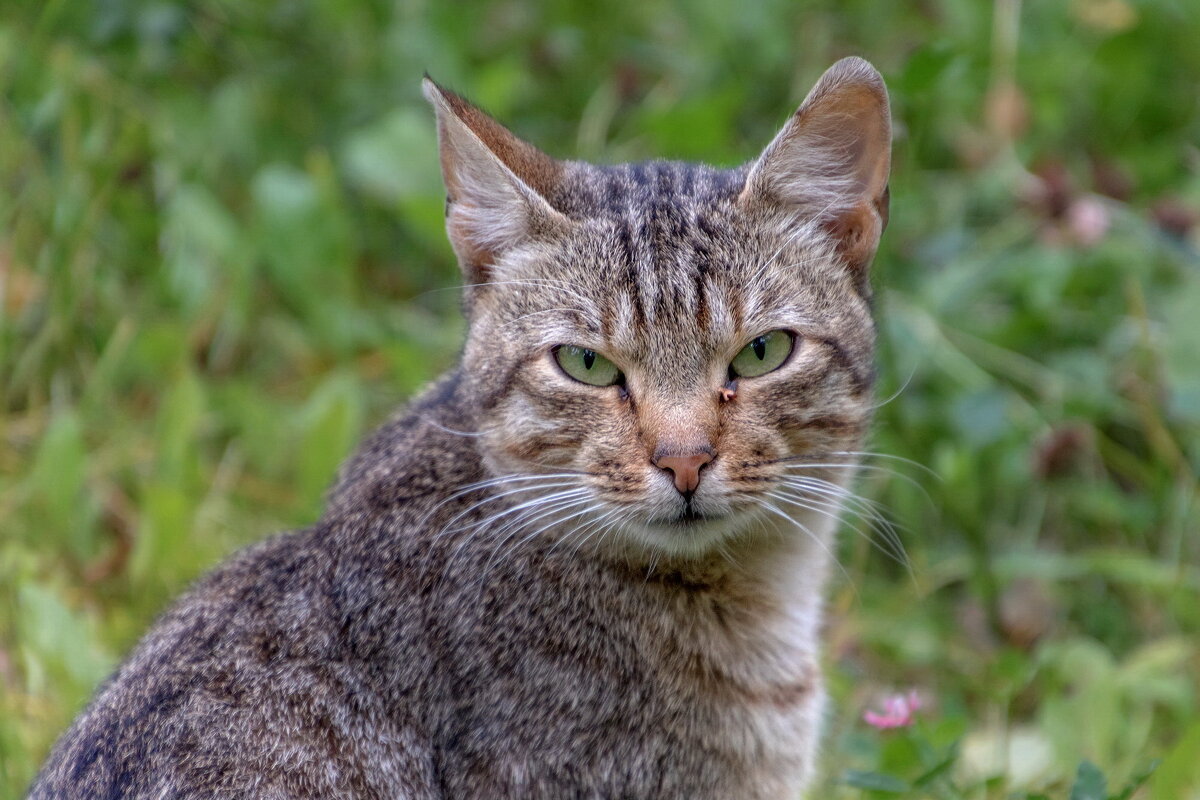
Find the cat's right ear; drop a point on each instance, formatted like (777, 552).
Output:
(496, 186)
(830, 163)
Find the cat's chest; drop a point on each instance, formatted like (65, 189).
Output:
(680, 694)
(751, 685)
(744, 666)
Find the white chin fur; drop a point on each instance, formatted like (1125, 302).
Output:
(688, 539)
(722, 533)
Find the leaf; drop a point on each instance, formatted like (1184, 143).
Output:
(58, 485)
(982, 417)
(1089, 783)
(178, 428)
(199, 239)
(304, 237)
(1138, 780)
(329, 425)
(163, 549)
(924, 68)
(379, 159)
(938, 769)
(874, 781)
(59, 639)
(1181, 351)
(1178, 776)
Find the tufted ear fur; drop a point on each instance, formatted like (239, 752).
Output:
(831, 160)
(496, 185)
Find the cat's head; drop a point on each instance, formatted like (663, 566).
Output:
(681, 352)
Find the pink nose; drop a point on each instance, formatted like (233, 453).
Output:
(686, 470)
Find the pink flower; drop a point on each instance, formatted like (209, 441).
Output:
(898, 711)
(1088, 219)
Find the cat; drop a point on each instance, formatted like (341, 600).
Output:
(587, 562)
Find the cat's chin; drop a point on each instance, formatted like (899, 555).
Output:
(688, 534)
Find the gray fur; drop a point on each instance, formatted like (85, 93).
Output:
(505, 597)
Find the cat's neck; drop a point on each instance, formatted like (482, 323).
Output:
(772, 567)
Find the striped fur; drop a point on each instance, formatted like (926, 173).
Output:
(506, 598)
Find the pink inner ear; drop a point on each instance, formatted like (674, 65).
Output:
(495, 184)
(834, 153)
(472, 257)
(856, 233)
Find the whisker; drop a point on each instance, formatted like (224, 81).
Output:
(858, 504)
(538, 283)
(541, 284)
(772, 508)
(848, 503)
(522, 477)
(517, 509)
(793, 237)
(611, 520)
(591, 527)
(550, 504)
(551, 512)
(792, 462)
(825, 508)
(443, 428)
(831, 489)
(503, 548)
(491, 498)
(855, 454)
(482, 526)
(898, 392)
(650, 569)
(497, 481)
(613, 524)
(852, 465)
(889, 456)
(725, 554)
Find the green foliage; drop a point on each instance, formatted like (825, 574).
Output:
(221, 261)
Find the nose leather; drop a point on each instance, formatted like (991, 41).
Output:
(686, 470)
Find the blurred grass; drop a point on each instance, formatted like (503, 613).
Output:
(221, 261)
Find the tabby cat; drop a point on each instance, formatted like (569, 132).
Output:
(586, 563)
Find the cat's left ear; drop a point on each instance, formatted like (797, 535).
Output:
(496, 185)
(830, 163)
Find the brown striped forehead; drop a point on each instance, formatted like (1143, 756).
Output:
(658, 253)
(667, 275)
(591, 191)
(672, 293)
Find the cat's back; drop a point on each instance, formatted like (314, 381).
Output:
(268, 678)
(227, 687)
(299, 667)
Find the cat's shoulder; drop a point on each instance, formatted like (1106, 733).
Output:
(409, 460)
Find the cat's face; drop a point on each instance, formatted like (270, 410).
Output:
(682, 352)
(679, 322)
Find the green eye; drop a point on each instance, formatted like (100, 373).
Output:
(764, 354)
(586, 366)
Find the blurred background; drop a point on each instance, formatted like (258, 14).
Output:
(222, 261)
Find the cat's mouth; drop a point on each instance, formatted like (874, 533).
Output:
(689, 517)
(688, 514)
(689, 531)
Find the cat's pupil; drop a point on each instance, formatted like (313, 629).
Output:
(589, 358)
(759, 346)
